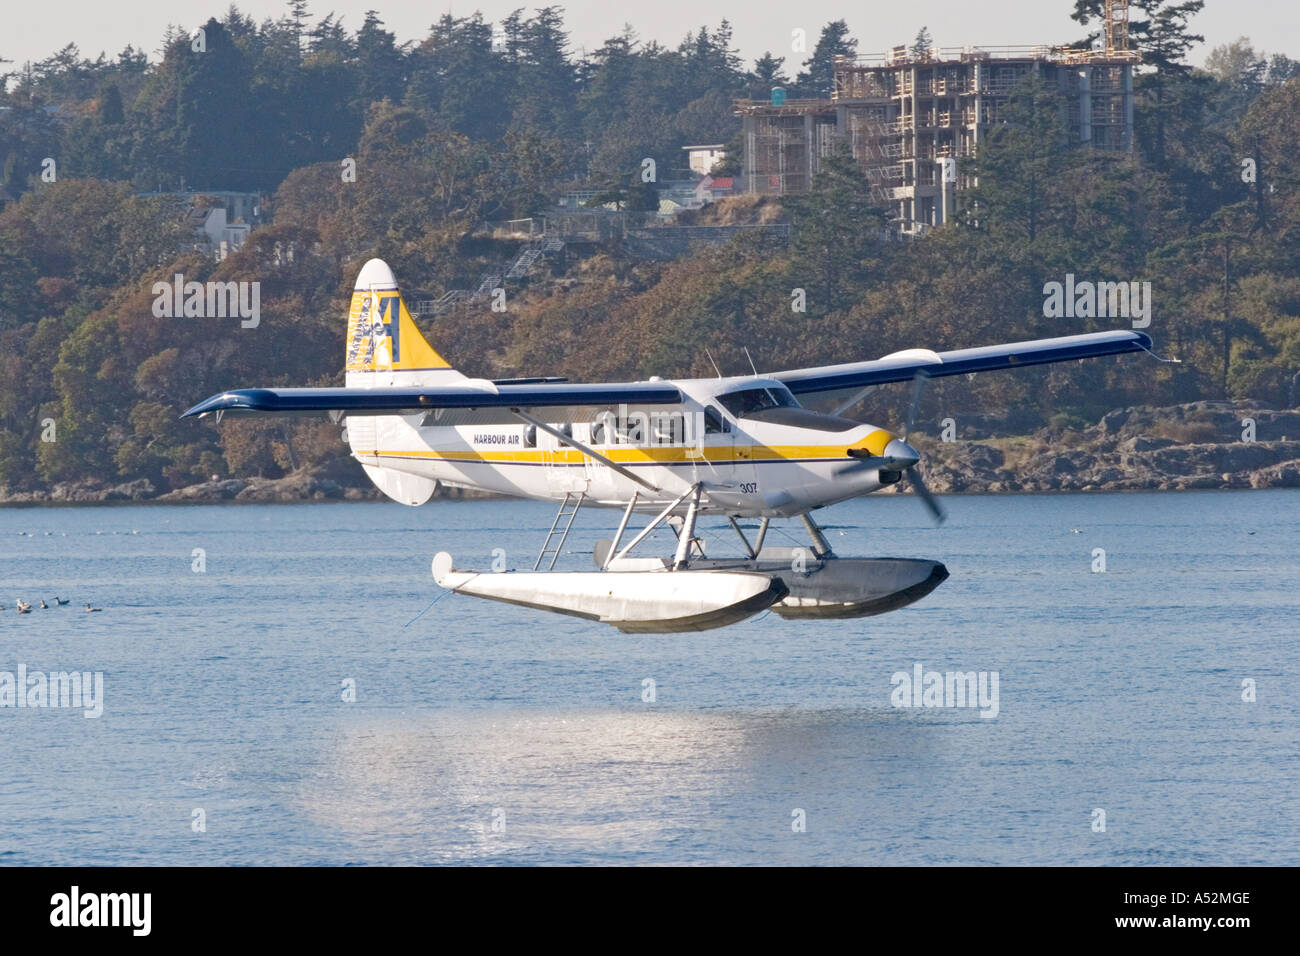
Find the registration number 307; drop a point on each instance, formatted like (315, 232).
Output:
(748, 487)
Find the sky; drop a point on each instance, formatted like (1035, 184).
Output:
(33, 31)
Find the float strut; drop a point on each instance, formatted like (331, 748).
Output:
(753, 552)
(653, 524)
(688, 530)
(821, 547)
(618, 535)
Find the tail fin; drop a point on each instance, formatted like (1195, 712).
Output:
(384, 345)
(385, 348)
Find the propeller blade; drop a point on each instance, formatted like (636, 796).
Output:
(931, 503)
(918, 384)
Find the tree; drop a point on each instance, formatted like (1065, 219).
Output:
(1281, 68)
(627, 192)
(1024, 202)
(1241, 74)
(296, 20)
(1235, 61)
(456, 75)
(1161, 34)
(922, 44)
(733, 156)
(818, 76)
(767, 73)
(1268, 134)
(1164, 37)
(108, 110)
(330, 36)
(1159, 31)
(545, 90)
(1018, 162)
(609, 73)
(836, 232)
(191, 107)
(537, 161)
(381, 66)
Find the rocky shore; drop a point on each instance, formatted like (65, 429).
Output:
(299, 486)
(1198, 445)
(319, 484)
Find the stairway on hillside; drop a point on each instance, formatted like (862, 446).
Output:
(492, 280)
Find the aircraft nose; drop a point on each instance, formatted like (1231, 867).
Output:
(904, 455)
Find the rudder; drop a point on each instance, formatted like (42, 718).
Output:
(384, 345)
(385, 348)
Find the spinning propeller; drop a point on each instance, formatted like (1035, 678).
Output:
(901, 457)
(913, 475)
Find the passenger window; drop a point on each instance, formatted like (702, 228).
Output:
(632, 430)
(668, 428)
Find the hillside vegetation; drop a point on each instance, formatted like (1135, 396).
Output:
(456, 130)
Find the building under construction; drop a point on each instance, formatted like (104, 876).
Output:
(908, 117)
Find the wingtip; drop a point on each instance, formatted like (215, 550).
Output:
(218, 403)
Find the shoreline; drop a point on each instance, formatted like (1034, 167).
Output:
(382, 500)
(1199, 446)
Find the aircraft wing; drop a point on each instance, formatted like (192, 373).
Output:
(904, 366)
(474, 393)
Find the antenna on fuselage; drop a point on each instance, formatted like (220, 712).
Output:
(715, 364)
(752, 367)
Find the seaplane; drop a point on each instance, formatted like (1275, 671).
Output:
(736, 447)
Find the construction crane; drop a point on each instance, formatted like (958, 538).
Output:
(1116, 27)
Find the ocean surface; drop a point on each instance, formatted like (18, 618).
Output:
(487, 734)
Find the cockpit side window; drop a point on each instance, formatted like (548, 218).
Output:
(749, 400)
(713, 423)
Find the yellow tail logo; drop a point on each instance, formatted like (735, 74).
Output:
(382, 336)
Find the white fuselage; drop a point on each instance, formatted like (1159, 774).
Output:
(756, 452)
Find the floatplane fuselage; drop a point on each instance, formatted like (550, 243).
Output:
(743, 447)
(747, 441)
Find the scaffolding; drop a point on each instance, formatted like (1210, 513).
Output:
(784, 145)
(907, 115)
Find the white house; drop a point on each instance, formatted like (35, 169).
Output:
(702, 158)
(212, 230)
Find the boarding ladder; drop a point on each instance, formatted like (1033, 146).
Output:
(567, 511)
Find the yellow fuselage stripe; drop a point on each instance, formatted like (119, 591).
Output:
(628, 455)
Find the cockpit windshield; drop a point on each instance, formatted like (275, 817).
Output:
(745, 402)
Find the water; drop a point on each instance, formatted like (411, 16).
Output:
(223, 693)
